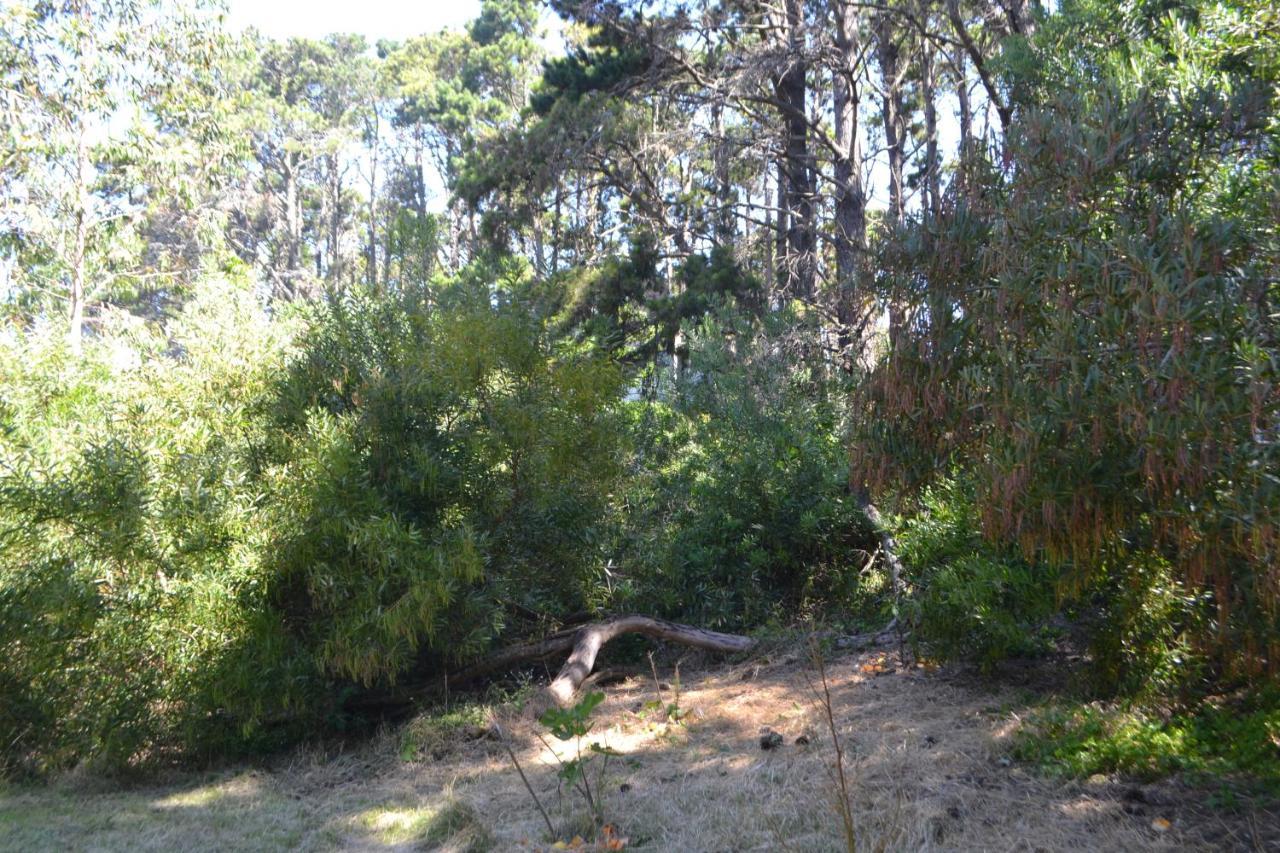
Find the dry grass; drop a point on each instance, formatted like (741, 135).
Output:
(925, 754)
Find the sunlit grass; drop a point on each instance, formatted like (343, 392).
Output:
(453, 822)
(396, 825)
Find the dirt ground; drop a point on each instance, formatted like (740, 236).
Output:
(927, 768)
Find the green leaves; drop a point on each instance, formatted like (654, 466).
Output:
(257, 527)
(572, 722)
(1089, 334)
(446, 459)
(131, 594)
(740, 511)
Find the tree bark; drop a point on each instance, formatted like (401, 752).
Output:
(888, 545)
(583, 643)
(373, 130)
(289, 166)
(1003, 110)
(80, 251)
(850, 196)
(791, 91)
(87, 48)
(893, 112)
(781, 227)
(589, 639)
(928, 92)
(965, 110)
(724, 215)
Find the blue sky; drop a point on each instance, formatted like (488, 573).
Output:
(374, 19)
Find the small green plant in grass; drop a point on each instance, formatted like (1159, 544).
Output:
(584, 772)
(574, 724)
(671, 712)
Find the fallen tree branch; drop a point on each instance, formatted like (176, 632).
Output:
(591, 638)
(582, 644)
(889, 549)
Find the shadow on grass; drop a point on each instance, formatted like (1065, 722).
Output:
(929, 768)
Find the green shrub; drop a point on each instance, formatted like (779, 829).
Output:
(214, 533)
(1089, 333)
(129, 544)
(968, 598)
(1221, 739)
(738, 512)
(433, 465)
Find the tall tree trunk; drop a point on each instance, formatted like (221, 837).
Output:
(371, 271)
(555, 229)
(87, 49)
(1003, 110)
(928, 92)
(724, 225)
(893, 115)
(797, 166)
(337, 263)
(850, 198)
(79, 252)
(892, 112)
(782, 227)
(292, 223)
(770, 231)
(425, 264)
(455, 238)
(962, 99)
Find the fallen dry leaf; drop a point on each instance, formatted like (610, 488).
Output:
(611, 840)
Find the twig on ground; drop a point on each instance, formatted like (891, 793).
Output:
(505, 742)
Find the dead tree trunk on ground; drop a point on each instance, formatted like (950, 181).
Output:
(591, 638)
(583, 645)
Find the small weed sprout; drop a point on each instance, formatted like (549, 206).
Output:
(843, 802)
(671, 711)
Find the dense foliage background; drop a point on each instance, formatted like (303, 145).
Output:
(282, 427)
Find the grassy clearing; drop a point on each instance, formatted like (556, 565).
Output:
(928, 760)
(246, 811)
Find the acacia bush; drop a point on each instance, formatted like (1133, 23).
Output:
(214, 534)
(432, 466)
(1090, 335)
(130, 545)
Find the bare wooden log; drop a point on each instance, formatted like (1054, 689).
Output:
(582, 644)
(889, 548)
(591, 638)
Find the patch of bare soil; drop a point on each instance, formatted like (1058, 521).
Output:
(927, 765)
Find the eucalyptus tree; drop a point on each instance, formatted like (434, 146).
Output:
(85, 147)
(459, 91)
(306, 99)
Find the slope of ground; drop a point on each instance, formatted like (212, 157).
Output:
(926, 757)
